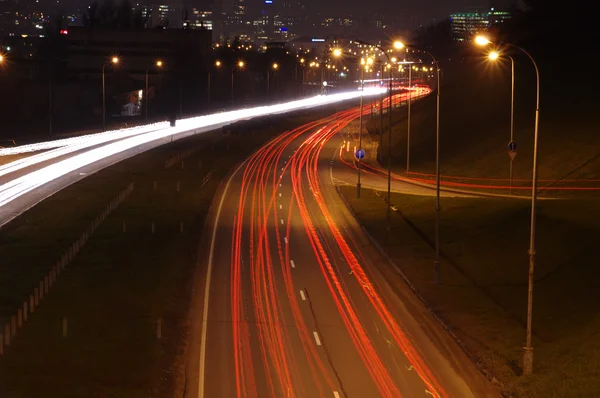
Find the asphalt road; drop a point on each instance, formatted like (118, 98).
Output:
(297, 302)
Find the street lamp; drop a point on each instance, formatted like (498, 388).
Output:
(436, 264)
(113, 61)
(389, 160)
(528, 349)
(159, 65)
(494, 56)
(240, 66)
(275, 66)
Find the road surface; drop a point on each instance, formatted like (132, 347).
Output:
(296, 301)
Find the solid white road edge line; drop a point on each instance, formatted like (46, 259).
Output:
(302, 295)
(207, 287)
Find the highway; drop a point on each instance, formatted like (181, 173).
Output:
(296, 301)
(54, 165)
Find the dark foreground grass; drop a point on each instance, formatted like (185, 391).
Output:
(484, 282)
(120, 284)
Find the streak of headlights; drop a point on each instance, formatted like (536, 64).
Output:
(97, 139)
(105, 137)
(21, 185)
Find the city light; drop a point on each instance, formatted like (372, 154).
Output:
(218, 63)
(493, 55)
(159, 63)
(115, 60)
(241, 64)
(398, 45)
(482, 40)
(275, 65)
(337, 52)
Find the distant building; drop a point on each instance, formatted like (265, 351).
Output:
(467, 24)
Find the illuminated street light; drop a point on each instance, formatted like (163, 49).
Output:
(218, 63)
(528, 353)
(337, 52)
(146, 97)
(1, 59)
(493, 55)
(394, 59)
(482, 40)
(398, 45)
(301, 60)
(241, 64)
(274, 66)
(114, 60)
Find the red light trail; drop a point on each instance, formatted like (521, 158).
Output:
(260, 260)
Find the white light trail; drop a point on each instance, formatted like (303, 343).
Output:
(100, 137)
(123, 140)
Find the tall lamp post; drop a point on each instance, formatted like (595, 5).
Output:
(275, 66)
(494, 56)
(389, 160)
(159, 65)
(364, 64)
(528, 349)
(113, 61)
(408, 119)
(240, 65)
(436, 263)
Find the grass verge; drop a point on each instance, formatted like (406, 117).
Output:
(483, 293)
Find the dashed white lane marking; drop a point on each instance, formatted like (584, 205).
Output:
(317, 339)
(280, 185)
(280, 206)
(302, 295)
(292, 264)
(336, 394)
(282, 220)
(285, 239)
(280, 194)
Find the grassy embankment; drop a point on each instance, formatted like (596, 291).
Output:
(118, 286)
(483, 295)
(475, 127)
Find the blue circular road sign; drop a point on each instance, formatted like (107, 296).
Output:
(359, 154)
(512, 146)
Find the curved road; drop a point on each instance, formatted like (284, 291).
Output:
(297, 302)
